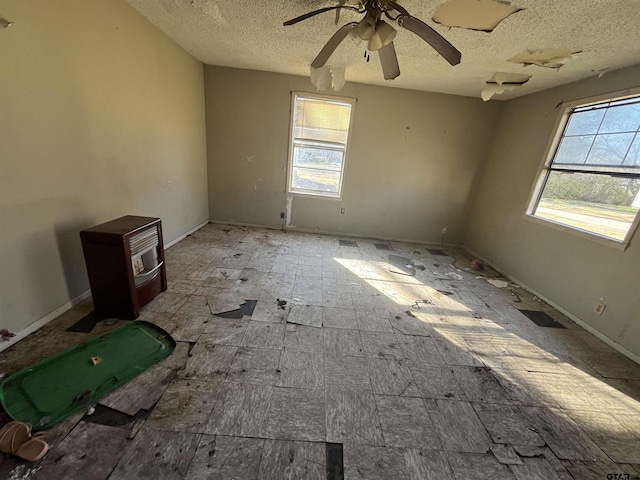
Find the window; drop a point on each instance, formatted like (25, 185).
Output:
(318, 149)
(591, 180)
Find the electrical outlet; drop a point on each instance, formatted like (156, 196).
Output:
(600, 306)
(444, 230)
(282, 215)
(342, 210)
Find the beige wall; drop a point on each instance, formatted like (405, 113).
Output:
(571, 271)
(413, 157)
(101, 115)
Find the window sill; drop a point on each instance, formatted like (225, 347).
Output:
(313, 195)
(618, 245)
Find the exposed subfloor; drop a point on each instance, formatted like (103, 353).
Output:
(459, 386)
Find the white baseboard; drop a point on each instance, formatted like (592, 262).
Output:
(242, 224)
(185, 235)
(44, 320)
(73, 302)
(329, 232)
(597, 333)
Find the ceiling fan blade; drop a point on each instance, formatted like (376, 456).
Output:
(397, 7)
(332, 44)
(450, 53)
(316, 12)
(389, 62)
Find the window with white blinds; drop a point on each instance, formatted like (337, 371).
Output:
(318, 149)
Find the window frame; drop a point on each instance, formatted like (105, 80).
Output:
(544, 170)
(315, 193)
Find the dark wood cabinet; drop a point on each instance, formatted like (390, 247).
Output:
(125, 264)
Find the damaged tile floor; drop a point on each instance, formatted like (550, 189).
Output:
(366, 384)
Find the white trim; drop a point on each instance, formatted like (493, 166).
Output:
(292, 228)
(32, 327)
(243, 224)
(44, 320)
(544, 171)
(611, 96)
(182, 237)
(351, 101)
(593, 237)
(597, 333)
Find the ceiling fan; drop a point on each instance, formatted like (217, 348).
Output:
(379, 34)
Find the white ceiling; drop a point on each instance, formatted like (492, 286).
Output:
(249, 34)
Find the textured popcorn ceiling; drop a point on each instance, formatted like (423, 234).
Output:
(249, 34)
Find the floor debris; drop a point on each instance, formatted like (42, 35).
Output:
(401, 265)
(505, 454)
(497, 283)
(444, 292)
(265, 398)
(517, 298)
(6, 334)
(425, 301)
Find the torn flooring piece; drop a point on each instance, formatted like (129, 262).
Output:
(542, 319)
(505, 454)
(548, 57)
(86, 324)
(335, 462)
(401, 265)
(348, 243)
(308, 315)
(49, 391)
(246, 308)
(483, 15)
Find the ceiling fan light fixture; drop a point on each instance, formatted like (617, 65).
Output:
(386, 32)
(379, 35)
(366, 28)
(375, 42)
(355, 37)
